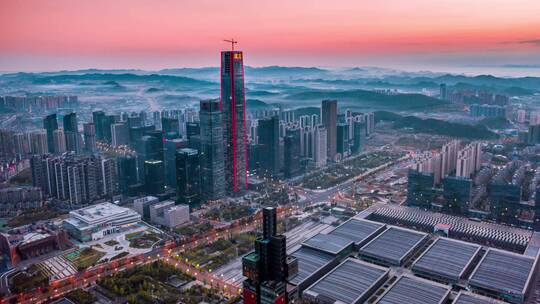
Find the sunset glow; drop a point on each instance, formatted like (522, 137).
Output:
(41, 35)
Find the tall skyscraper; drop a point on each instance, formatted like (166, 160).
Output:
(89, 131)
(119, 134)
(109, 177)
(150, 147)
(103, 124)
(329, 121)
(291, 153)
(342, 139)
(70, 122)
(127, 172)
(359, 137)
(268, 133)
(188, 178)
(97, 119)
(154, 177)
(233, 105)
(170, 146)
(50, 124)
(212, 152)
(320, 139)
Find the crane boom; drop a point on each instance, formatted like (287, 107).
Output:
(232, 42)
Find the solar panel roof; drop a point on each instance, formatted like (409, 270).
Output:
(350, 282)
(503, 271)
(447, 258)
(415, 291)
(393, 244)
(309, 261)
(357, 230)
(329, 243)
(469, 298)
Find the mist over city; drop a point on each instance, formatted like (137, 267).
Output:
(266, 152)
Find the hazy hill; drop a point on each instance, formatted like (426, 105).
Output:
(436, 126)
(397, 102)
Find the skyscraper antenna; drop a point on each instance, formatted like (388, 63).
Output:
(232, 42)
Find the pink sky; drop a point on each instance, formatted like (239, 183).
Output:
(71, 34)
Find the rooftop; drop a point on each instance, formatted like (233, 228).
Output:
(100, 213)
(327, 243)
(350, 282)
(393, 245)
(309, 261)
(427, 220)
(162, 204)
(413, 290)
(447, 258)
(357, 230)
(503, 272)
(470, 298)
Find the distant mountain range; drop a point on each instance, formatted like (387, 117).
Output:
(397, 102)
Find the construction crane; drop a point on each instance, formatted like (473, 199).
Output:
(232, 42)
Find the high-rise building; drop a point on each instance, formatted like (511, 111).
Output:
(21, 143)
(50, 124)
(188, 177)
(73, 141)
(59, 141)
(109, 177)
(192, 129)
(533, 136)
(291, 153)
(233, 105)
(70, 122)
(268, 134)
(103, 124)
(469, 160)
(359, 137)
(266, 268)
(119, 134)
(170, 146)
(127, 172)
(342, 143)
(320, 147)
(170, 127)
(420, 188)
(74, 179)
(38, 142)
(443, 92)
(212, 151)
(149, 147)
(97, 119)
(329, 121)
(154, 177)
(89, 131)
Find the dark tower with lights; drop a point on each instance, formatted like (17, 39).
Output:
(266, 267)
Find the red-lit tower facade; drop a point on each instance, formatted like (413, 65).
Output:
(233, 106)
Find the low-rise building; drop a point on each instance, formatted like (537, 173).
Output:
(14, 200)
(168, 214)
(31, 241)
(96, 221)
(142, 205)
